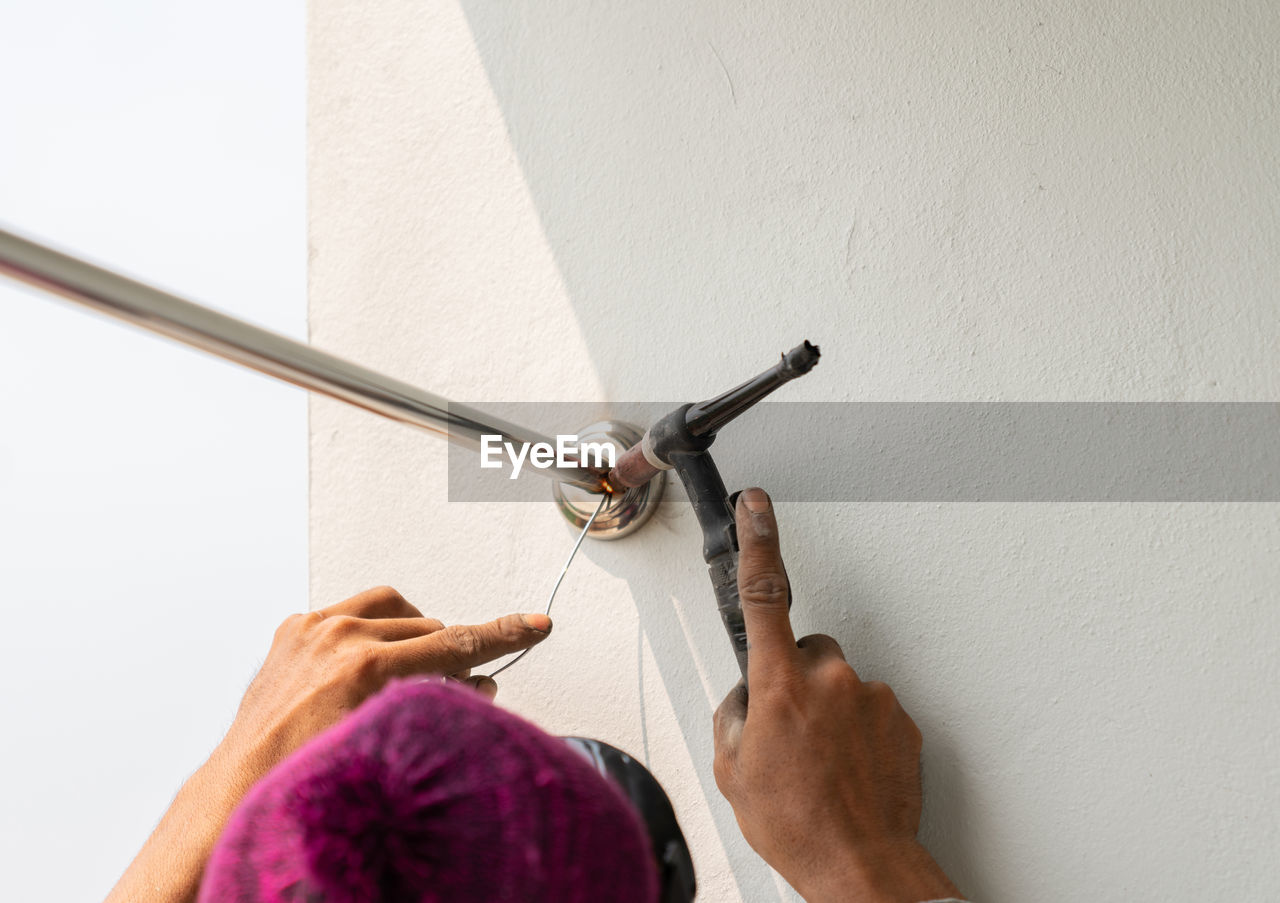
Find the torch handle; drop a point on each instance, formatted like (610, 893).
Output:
(724, 581)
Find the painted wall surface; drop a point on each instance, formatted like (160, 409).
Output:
(996, 201)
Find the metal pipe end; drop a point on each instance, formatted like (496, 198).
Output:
(627, 509)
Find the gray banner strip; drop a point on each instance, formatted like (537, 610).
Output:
(953, 451)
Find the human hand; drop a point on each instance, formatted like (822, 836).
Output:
(321, 665)
(324, 663)
(822, 769)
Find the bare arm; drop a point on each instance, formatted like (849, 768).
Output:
(321, 665)
(821, 768)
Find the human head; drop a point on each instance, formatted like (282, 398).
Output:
(428, 792)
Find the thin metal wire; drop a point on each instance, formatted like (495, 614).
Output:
(604, 497)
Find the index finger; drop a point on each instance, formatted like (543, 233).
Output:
(763, 588)
(462, 646)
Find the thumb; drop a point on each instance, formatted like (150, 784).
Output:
(729, 720)
(485, 686)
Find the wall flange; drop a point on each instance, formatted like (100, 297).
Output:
(624, 512)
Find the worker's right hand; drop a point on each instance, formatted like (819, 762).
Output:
(324, 663)
(821, 768)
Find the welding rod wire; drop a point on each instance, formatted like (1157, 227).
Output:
(564, 570)
(264, 351)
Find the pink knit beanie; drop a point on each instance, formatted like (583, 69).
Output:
(429, 793)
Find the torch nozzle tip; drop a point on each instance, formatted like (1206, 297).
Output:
(801, 359)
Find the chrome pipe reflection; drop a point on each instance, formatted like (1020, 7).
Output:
(264, 351)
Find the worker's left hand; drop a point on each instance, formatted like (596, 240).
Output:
(321, 665)
(324, 663)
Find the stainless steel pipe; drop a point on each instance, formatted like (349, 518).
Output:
(264, 351)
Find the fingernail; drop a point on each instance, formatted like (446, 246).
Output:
(485, 685)
(538, 622)
(756, 500)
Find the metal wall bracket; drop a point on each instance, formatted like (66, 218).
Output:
(625, 511)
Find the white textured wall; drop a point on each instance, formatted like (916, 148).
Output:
(994, 201)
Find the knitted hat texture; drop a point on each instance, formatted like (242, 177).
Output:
(429, 793)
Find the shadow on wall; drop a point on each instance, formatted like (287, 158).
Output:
(698, 215)
(701, 220)
(677, 650)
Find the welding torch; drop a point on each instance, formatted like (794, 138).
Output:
(681, 441)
